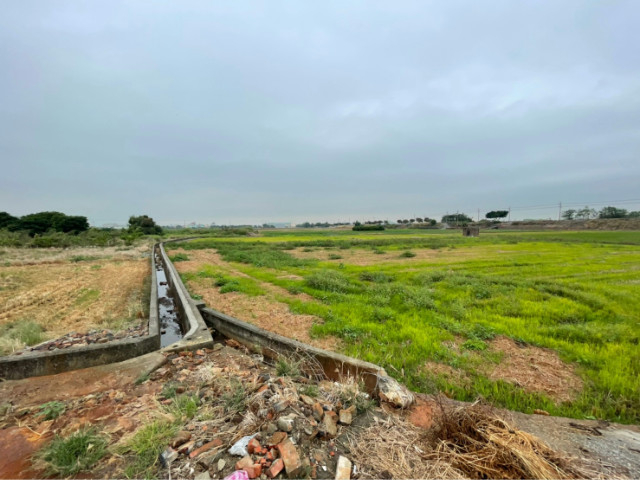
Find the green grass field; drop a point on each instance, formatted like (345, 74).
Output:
(577, 293)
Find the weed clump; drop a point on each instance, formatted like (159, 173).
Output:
(52, 410)
(329, 281)
(76, 453)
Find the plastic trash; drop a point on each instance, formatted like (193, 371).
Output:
(238, 475)
(240, 447)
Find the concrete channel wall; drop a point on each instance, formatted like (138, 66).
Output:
(34, 364)
(336, 367)
(196, 331)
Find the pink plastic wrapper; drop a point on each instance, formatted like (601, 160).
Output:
(238, 475)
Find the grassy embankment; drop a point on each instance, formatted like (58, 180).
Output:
(573, 292)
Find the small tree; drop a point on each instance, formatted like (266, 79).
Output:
(569, 214)
(418, 219)
(497, 214)
(144, 224)
(586, 213)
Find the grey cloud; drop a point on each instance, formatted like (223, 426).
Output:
(252, 112)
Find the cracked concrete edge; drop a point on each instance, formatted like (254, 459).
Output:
(34, 364)
(198, 335)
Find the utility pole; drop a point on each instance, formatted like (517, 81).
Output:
(478, 214)
(560, 211)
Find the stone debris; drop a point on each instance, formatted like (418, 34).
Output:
(75, 339)
(343, 470)
(281, 431)
(390, 391)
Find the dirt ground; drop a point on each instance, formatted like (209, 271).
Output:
(535, 370)
(71, 290)
(381, 442)
(264, 310)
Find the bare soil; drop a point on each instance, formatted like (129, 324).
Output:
(535, 370)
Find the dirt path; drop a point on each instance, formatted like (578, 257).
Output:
(265, 311)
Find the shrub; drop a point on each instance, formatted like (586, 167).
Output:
(407, 254)
(376, 277)
(329, 281)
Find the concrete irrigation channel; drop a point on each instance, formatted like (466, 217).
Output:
(177, 322)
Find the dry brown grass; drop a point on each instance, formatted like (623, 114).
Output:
(468, 441)
(480, 444)
(64, 296)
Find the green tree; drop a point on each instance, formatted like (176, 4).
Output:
(144, 224)
(6, 220)
(586, 213)
(569, 214)
(497, 214)
(612, 212)
(456, 218)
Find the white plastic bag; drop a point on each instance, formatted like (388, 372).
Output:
(240, 447)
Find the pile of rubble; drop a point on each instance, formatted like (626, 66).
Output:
(76, 339)
(253, 423)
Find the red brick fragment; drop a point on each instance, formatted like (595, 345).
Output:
(275, 468)
(206, 447)
(254, 446)
(290, 457)
(244, 463)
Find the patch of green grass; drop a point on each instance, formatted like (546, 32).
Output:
(572, 292)
(76, 453)
(407, 254)
(376, 277)
(474, 344)
(183, 407)
(329, 281)
(235, 397)
(286, 367)
(52, 410)
(86, 296)
(145, 447)
(18, 333)
(334, 256)
(179, 257)
(309, 390)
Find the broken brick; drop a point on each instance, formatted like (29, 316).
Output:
(244, 463)
(207, 446)
(276, 438)
(254, 446)
(275, 468)
(290, 457)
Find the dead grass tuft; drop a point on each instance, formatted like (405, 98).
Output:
(393, 448)
(474, 440)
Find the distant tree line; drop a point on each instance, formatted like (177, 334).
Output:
(367, 226)
(320, 224)
(43, 222)
(587, 213)
(426, 220)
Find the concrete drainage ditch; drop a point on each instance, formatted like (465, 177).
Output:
(177, 322)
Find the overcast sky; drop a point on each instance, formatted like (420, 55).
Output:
(234, 111)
